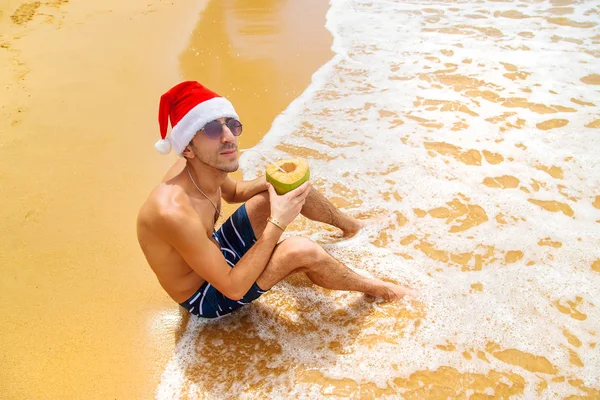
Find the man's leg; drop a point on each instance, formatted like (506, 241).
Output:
(316, 207)
(299, 254)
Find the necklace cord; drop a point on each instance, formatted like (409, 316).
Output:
(204, 194)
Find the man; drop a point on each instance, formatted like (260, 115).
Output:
(212, 273)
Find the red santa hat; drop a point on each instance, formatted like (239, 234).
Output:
(190, 106)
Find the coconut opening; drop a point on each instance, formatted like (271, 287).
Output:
(289, 167)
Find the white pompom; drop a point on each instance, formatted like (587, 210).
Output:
(163, 146)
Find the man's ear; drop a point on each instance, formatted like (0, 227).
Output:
(188, 153)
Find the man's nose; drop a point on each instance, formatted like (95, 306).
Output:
(227, 136)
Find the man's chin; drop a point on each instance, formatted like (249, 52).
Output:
(230, 168)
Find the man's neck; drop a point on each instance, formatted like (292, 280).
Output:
(208, 179)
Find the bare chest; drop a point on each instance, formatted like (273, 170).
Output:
(209, 210)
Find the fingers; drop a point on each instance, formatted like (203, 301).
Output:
(302, 190)
(298, 203)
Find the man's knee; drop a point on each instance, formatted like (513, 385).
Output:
(300, 250)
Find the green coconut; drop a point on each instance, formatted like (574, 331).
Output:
(296, 173)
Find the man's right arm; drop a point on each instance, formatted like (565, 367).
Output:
(183, 230)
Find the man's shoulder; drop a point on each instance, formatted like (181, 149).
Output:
(165, 204)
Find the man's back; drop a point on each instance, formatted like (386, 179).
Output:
(169, 198)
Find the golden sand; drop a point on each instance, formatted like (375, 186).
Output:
(83, 316)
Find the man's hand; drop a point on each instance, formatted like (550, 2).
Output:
(285, 208)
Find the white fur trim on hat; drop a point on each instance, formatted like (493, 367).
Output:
(196, 118)
(163, 146)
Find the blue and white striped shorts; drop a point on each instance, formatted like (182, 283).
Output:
(235, 237)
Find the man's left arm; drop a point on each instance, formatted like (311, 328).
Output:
(242, 191)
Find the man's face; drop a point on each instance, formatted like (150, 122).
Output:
(219, 153)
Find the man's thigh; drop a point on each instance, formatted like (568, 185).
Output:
(236, 236)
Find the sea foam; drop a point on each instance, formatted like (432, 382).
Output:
(469, 131)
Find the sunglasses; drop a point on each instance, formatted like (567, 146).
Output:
(214, 129)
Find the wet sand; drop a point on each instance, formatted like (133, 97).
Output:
(84, 317)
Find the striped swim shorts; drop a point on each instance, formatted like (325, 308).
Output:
(235, 237)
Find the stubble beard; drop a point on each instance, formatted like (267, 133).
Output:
(218, 163)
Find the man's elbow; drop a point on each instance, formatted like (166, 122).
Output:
(232, 293)
(233, 286)
(229, 195)
(229, 198)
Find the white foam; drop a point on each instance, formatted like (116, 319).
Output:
(516, 308)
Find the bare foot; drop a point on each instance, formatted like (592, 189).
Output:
(392, 292)
(356, 227)
(358, 224)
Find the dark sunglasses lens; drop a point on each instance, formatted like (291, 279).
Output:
(235, 127)
(213, 129)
